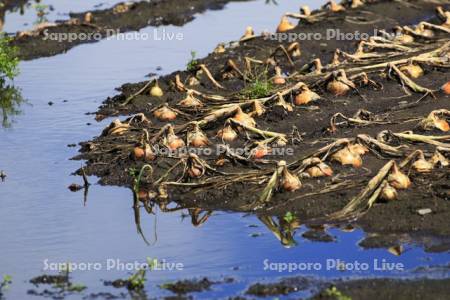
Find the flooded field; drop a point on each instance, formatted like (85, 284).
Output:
(50, 108)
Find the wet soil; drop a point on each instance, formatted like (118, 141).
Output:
(390, 289)
(387, 224)
(122, 18)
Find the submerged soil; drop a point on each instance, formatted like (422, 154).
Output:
(386, 95)
(94, 25)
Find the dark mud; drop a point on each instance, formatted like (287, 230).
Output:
(123, 17)
(368, 289)
(189, 286)
(387, 224)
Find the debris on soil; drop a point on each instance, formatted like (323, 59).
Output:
(360, 154)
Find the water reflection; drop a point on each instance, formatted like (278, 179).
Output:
(13, 6)
(10, 102)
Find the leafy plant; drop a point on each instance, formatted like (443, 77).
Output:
(335, 293)
(4, 284)
(193, 62)
(289, 217)
(259, 85)
(8, 59)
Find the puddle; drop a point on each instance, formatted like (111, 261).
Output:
(41, 219)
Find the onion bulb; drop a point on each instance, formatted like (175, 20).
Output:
(279, 78)
(412, 70)
(165, 113)
(320, 170)
(305, 96)
(190, 101)
(248, 33)
(285, 25)
(260, 151)
(197, 138)
(244, 118)
(172, 141)
(388, 193)
(398, 180)
(347, 157)
(446, 88)
(290, 182)
(156, 91)
(227, 134)
(143, 153)
(335, 7)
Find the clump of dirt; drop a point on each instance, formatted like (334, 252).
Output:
(365, 121)
(92, 26)
(189, 286)
(283, 287)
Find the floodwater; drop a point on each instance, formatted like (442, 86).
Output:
(43, 223)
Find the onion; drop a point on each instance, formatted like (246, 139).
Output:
(219, 49)
(346, 157)
(165, 114)
(248, 33)
(441, 124)
(285, 25)
(244, 118)
(320, 170)
(305, 10)
(294, 49)
(446, 88)
(279, 78)
(172, 141)
(88, 17)
(260, 151)
(398, 180)
(197, 138)
(227, 134)
(156, 91)
(412, 70)
(290, 182)
(389, 193)
(334, 7)
(440, 159)
(305, 96)
(422, 166)
(356, 3)
(195, 172)
(190, 101)
(337, 88)
(143, 153)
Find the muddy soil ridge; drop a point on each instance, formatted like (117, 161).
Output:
(97, 24)
(367, 122)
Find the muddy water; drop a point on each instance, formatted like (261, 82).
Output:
(40, 219)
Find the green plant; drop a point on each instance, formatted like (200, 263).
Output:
(137, 176)
(289, 217)
(259, 86)
(257, 89)
(193, 62)
(8, 59)
(4, 284)
(335, 293)
(66, 285)
(137, 280)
